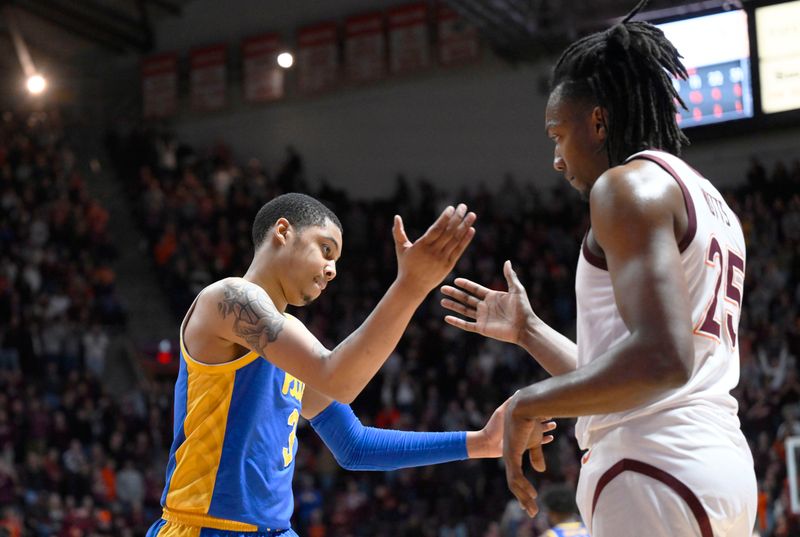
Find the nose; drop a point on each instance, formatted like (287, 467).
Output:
(558, 162)
(330, 271)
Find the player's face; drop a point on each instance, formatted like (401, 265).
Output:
(313, 256)
(579, 135)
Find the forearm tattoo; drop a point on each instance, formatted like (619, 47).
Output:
(255, 320)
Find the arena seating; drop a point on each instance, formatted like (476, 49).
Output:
(75, 461)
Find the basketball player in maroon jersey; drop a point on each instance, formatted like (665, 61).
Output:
(659, 288)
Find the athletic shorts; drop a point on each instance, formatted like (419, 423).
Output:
(677, 473)
(163, 528)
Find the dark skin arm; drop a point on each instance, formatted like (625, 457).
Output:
(508, 316)
(637, 212)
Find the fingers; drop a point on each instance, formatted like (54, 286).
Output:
(456, 220)
(535, 440)
(460, 296)
(459, 308)
(461, 323)
(454, 254)
(459, 235)
(522, 489)
(548, 426)
(437, 229)
(536, 456)
(452, 231)
(511, 276)
(472, 288)
(399, 232)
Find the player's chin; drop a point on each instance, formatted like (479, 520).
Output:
(312, 294)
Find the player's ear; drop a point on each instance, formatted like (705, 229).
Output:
(599, 117)
(281, 231)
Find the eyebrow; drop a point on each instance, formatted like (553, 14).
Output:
(329, 238)
(548, 124)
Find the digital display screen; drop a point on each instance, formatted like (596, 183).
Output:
(778, 35)
(716, 52)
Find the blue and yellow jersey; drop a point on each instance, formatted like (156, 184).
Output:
(232, 457)
(567, 529)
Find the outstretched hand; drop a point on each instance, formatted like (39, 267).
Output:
(521, 433)
(501, 315)
(423, 265)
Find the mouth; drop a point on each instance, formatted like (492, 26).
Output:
(322, 284)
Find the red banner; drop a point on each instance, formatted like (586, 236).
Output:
(317, 57)
(408, 38)
(160, 85)
(458, 40)
(263, 78)
(208, 78)
(365, 48)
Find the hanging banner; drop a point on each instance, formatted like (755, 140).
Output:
(458, 40)
(364, 48)
(263, 79)
(408, 38)
(208, 78)
(160, 86)
(317, 57)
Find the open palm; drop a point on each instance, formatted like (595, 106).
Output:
(501, 315)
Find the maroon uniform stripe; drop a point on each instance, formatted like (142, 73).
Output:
(631, 465)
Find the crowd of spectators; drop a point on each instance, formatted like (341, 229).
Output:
(197, 209)
(77, 461)
(60, 435)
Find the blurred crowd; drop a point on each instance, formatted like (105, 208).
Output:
(58, 314)
(76, 461)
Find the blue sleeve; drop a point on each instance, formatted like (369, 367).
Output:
(356, 447)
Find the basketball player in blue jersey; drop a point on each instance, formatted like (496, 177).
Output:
(248, 371)
(562, 513)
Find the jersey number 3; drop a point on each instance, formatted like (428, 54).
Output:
(726, 264)
(288, 453)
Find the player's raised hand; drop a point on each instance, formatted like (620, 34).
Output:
(500, 315)
(490, 438)
(423, 264)
(521, 433)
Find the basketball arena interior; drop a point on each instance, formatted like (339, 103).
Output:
(138, 140)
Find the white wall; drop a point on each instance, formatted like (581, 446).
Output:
(472, 125)
(452, 126)
(725, 161)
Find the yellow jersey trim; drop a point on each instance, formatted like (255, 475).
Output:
(206, 521)
(225, 367)
(208, 400)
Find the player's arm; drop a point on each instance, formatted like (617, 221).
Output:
(508, 316)
(634, 220)
(356, 447)
(247, 316)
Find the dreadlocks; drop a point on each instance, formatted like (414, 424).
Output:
(625, 70)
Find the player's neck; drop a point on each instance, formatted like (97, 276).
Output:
(261, 274)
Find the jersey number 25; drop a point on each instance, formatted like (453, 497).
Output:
(726, 263)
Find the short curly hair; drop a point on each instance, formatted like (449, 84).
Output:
(300, 210)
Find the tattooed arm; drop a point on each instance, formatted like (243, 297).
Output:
(238, 313)
(241, 314)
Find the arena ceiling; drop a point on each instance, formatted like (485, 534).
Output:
(116, 25)
(57, 31)
(525, 29)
